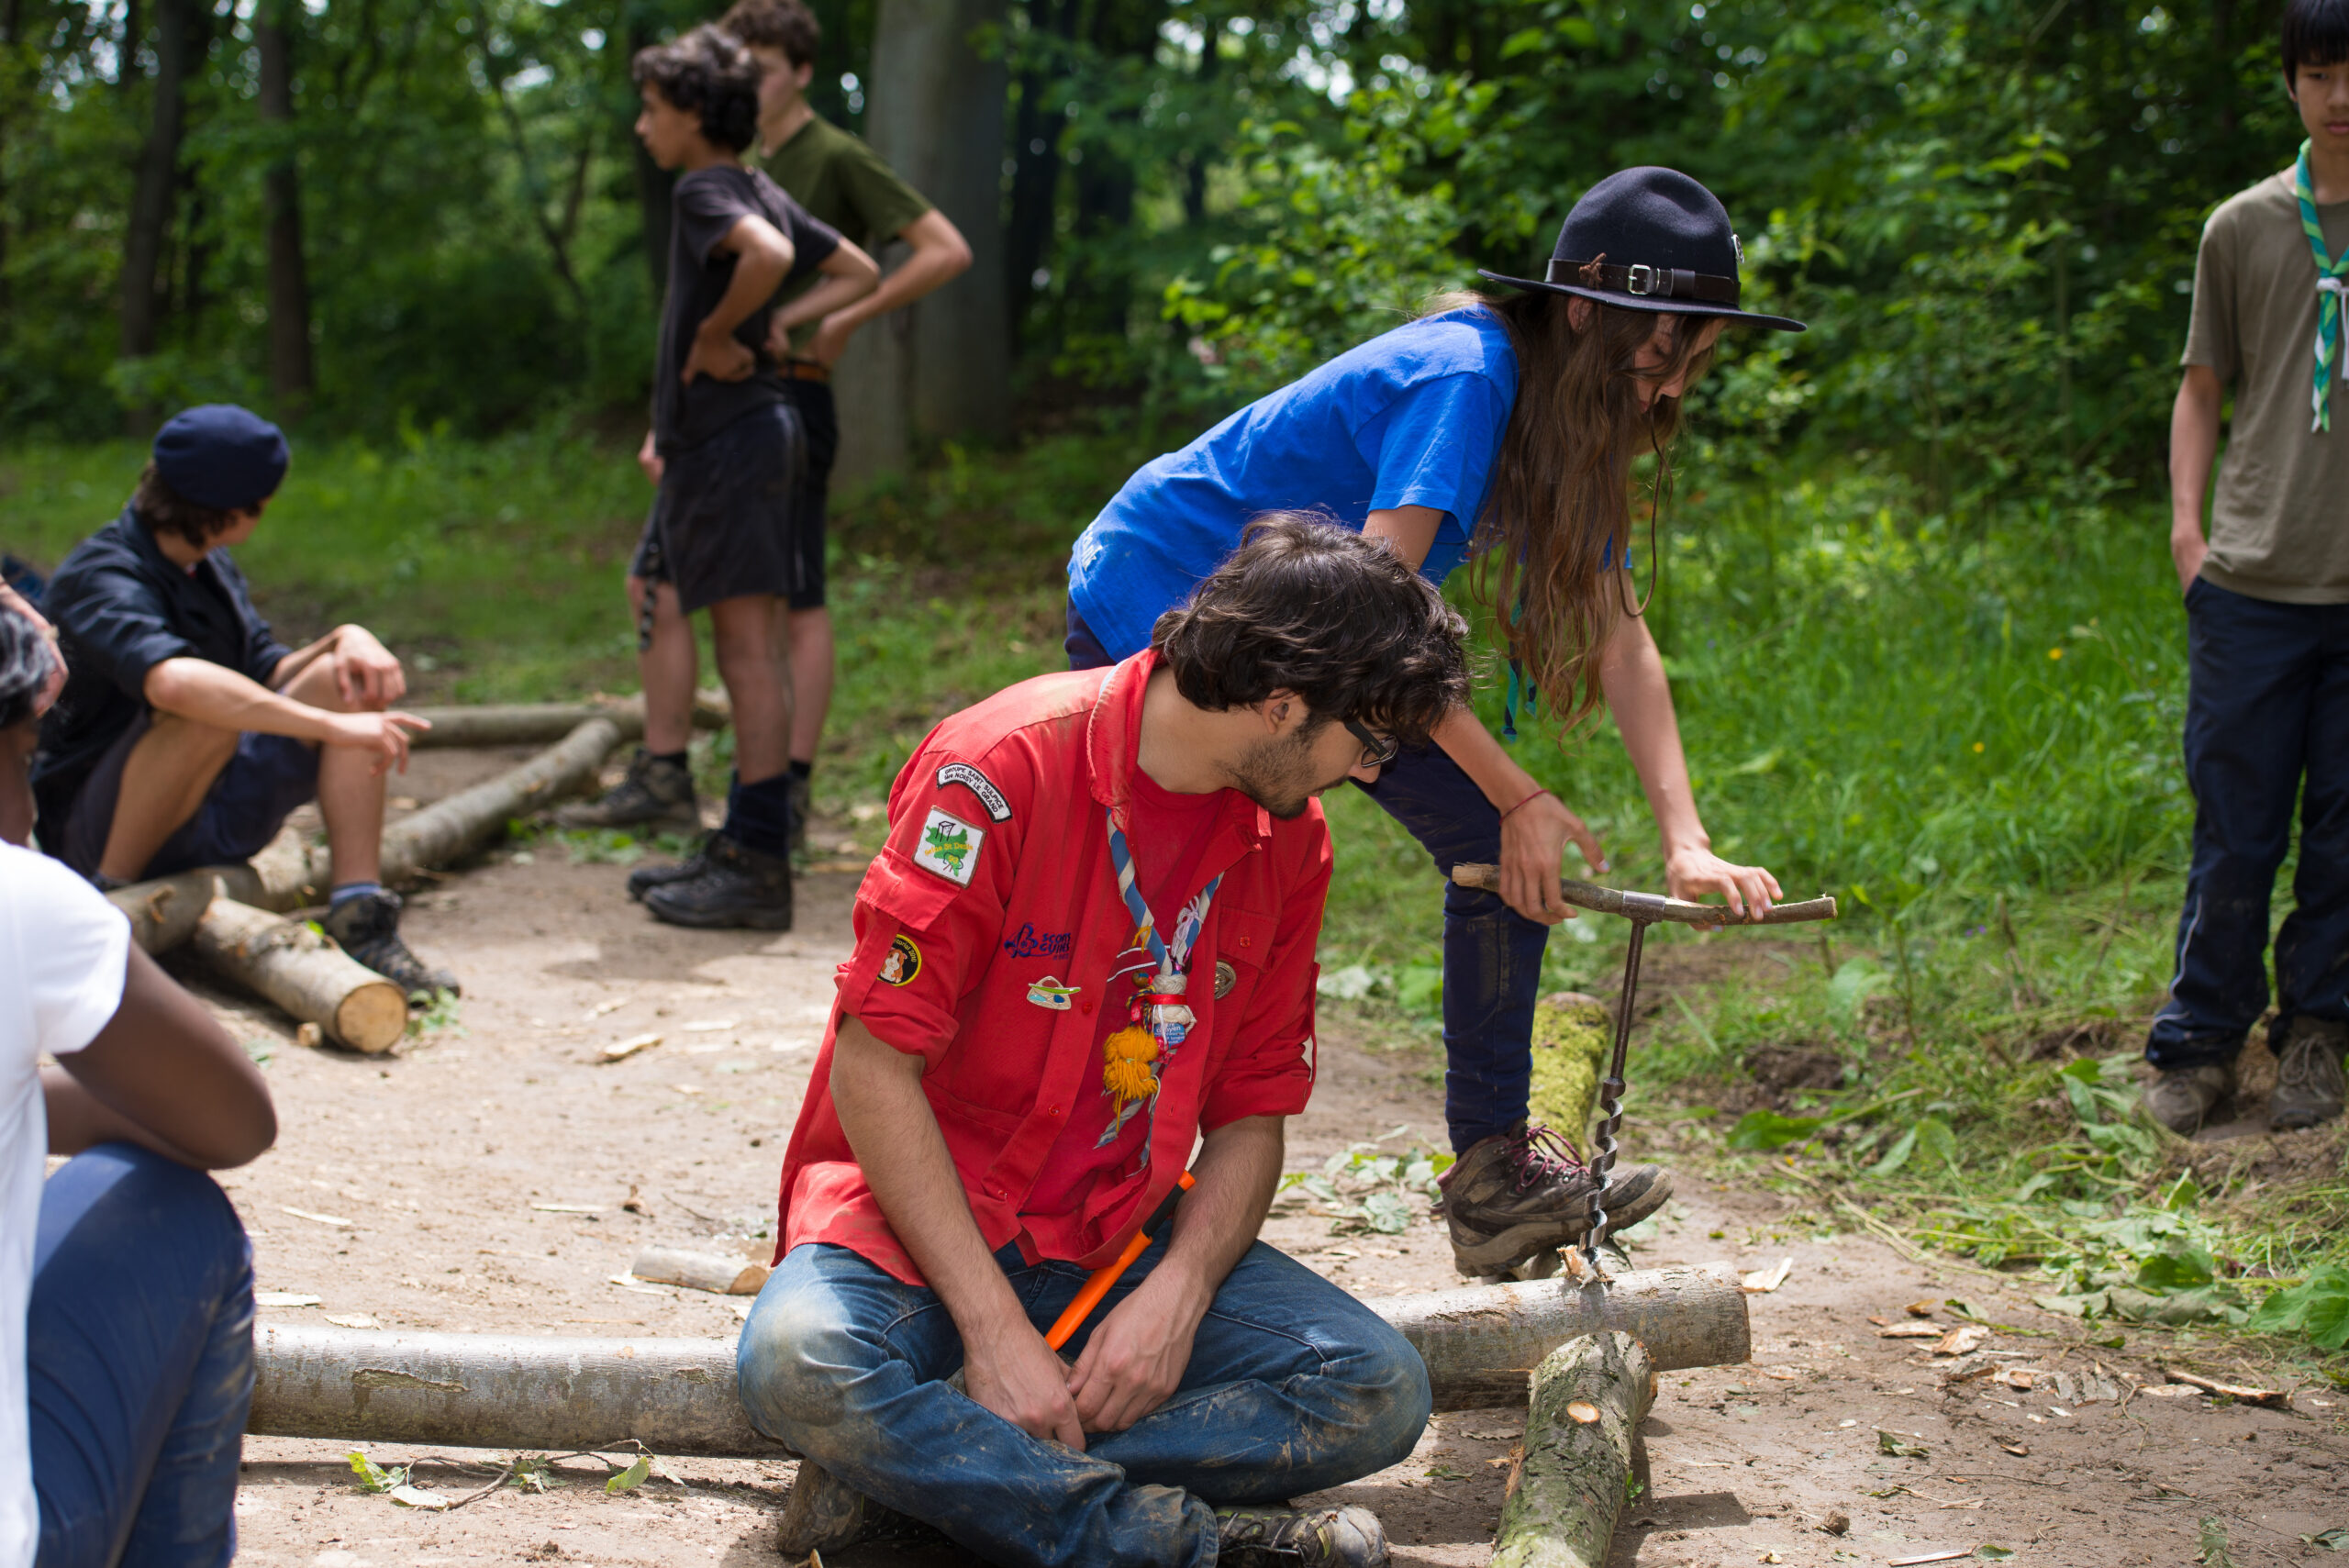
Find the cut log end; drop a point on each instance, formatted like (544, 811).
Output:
(1582, 1453)
(371, 1018)
(308, 977)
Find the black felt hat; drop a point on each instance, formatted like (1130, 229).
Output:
(1652, 239)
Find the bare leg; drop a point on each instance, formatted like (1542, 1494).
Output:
(756, 663)
(350, 792)
(668, 669)
(811, 679)
(165, 778)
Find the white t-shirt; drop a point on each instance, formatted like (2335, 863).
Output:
(63, 951)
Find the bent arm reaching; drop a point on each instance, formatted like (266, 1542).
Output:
(762, 256)
(850, 276)
(939, 255)
(1007, 1366)
(214, 695)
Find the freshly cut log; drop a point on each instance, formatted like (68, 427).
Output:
(451, 829)
(542, 724)
(1481, 1343)
(700, 1270)
(302, 972)
(1582, 1449)
(163, 913)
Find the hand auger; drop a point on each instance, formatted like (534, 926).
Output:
(1642, 909)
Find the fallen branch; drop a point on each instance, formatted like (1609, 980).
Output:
(302, 972)
(700, 1270)
(1582, 1453)
(542, 724)
(2273, 1398)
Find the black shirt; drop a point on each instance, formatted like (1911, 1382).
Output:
(707, 205)
(122, 607)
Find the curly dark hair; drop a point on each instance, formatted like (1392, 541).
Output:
(709, 72)
(164, 510)
(25, 660)
(1307, 605)
(786, 25)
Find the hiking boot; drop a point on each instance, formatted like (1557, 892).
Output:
(656, 792)
(1522, 1192)
(2181, 1098)
(737, 888)
(2308, 1081)
(368, 929)
(824, 1513)
(1299, 1538)
(803, 795)
(644, 879)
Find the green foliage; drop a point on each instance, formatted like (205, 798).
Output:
(2316, 1309)
(1362, 1189)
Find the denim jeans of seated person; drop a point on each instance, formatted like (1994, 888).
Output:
(1293, 1385)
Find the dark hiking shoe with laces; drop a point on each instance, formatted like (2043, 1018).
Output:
(737, 888)
(644, 879)
(2310, 1085)
(1521, 1192)
(1299, 1538)
(803, 796)
(656, 792)
(368, 929)
(2181, 1098)
(824, 1513)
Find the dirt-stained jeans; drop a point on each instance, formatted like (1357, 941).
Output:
(1293, 1387)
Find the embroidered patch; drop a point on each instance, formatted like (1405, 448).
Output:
(904, 961)
(969, 778)
(1050, 993)
(1226, 977)
(949, 847)
(1029, 942)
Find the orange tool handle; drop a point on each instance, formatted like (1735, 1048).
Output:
(1107, 1275)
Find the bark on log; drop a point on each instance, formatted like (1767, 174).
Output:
(451, 829)
(1582, 1443)
(1481, 1343)
(542, 724)
(700, 1270)
(304, 973)
(164, 912)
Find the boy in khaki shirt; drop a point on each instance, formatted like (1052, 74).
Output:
(2267, 618)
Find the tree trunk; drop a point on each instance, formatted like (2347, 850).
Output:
(291, 378)
(302, 972)
(1582, 1452)
(936, 114)
(1036, 173)
(150, 219)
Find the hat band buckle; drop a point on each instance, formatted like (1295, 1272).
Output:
(1640, 279)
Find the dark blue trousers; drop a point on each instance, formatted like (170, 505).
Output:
(1492, 955)
(2266, 730)
(139, 1347)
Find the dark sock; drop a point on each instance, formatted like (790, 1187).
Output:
(758, 816)
(348, 891)
(802, 770)
(676, 757)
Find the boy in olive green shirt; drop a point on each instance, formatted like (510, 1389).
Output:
(2268, 619)
(843, 182)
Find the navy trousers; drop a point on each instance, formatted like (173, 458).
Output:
(139, 1350)
(1492, 955)
(2266, 730)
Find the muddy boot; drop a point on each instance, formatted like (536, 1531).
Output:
(2181, 1098)
(824, 1513)
(737, 888)
(1299, 1538)
(368, 929)
(1524, 1192)
(2310, 1083)
(644, 879)
(656, 793)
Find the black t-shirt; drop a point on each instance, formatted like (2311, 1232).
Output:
(122, 607)
(707, 205)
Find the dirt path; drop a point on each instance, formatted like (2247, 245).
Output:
(422, 1184)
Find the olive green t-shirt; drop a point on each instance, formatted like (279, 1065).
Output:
(842, 182)
(2279, 523)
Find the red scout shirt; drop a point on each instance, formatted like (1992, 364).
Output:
(995, 880)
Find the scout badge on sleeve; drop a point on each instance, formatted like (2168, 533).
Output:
(949, 847)
(1157, 1020)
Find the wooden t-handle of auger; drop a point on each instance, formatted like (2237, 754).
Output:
(1097, 1285)
(1648, 907)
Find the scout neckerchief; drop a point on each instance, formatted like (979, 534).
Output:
(1133, 1058)
(2332, 289)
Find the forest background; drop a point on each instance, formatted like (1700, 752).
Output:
(1911, 579)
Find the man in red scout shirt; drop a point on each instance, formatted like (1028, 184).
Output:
(1086, 950)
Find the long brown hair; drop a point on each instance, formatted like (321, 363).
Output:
(1557, 530)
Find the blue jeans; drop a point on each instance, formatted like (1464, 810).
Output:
(1293, 1387)
(140, 1345)
(2266, 730)
(1492, 955)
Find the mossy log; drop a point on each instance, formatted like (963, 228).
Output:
(1572, 1033)
(302, 972)
(1581, 1456)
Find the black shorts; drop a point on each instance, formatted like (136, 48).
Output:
(725, 523)
(248, 801)
(819, 426)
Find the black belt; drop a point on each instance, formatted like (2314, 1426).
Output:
(1658, 283)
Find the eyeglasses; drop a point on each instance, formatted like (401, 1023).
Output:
(1377, 751)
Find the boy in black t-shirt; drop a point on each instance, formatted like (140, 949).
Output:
(731, 446)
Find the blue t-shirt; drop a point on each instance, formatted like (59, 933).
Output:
(1413, 417)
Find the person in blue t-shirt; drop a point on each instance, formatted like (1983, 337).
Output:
(1502, 428)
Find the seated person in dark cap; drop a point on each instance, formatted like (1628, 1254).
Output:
(186, 733)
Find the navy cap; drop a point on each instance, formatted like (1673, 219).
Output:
(222, 456)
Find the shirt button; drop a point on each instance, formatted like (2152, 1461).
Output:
(1086, 1005)
(1051, 1110)
(1243, 942)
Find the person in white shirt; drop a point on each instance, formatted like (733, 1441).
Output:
(125, 1279)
